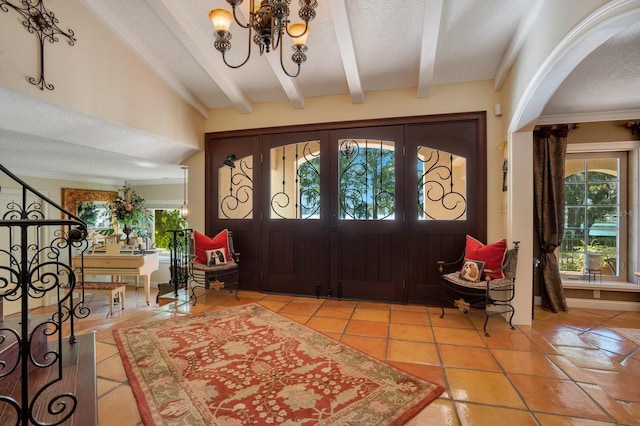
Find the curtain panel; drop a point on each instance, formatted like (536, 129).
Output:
(549, 153)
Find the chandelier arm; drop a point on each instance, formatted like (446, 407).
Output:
(235, 18)
(284, 69)
(224, 58)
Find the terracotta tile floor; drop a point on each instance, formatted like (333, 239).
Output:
(575, 368)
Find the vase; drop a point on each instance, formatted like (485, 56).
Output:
(127, 231)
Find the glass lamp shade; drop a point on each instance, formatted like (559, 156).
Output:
(221, 19)
(184, 211)
(298, 34)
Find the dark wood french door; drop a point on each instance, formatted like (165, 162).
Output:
(366, 212)
(350, 210)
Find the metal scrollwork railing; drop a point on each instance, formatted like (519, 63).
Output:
(35, 263)
(367, 180)
(438, 198)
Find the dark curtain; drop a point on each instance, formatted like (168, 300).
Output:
(549, 152)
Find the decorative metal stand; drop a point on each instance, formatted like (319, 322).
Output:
(37, 19)
(179, 258)
(35, 263)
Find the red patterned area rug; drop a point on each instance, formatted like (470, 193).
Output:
(249, 366)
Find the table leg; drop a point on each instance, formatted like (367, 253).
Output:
(147, 286)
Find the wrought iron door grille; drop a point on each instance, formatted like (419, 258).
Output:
(367, 182)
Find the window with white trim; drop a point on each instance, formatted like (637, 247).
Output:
(595, 234)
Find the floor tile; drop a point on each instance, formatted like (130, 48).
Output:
(514, 340)
(374, 346)
(409, 308)
(330, 325)
(333, 311)
(439, 413)
(367, 328)
(589, 358)
(452, 319)
(421, 353)
(531, 363)
(412, 332)
(482, 387)
(555, 420)
(476, 414)
(369, 314)
(104, 350)
(615, 410)
(409, 317)
(299, 308)
(456, 336)
(112, 369)
(576, 374)
(302, 319)
(619, 385)
(273, 305)
(557, 396)
(468, 357)
(432, 373)
(118, 408)
(374, 305)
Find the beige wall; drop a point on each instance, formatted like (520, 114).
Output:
(98, 76)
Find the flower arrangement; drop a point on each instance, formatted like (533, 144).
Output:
(129, 209)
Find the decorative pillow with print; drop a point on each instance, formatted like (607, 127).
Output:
(216, 257)
(472, 270)
(491, 254)
(204, 243)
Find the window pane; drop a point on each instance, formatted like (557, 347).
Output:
(442, 185)
(602, 169)
(295, 181)
(592, 226)
(575, 170)
(367, 179)
(574, 194)
(235, 188)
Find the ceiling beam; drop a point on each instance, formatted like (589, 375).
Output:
(429, 48)
(524, 27)
(174, 17)
(126, 36)
(346, 49)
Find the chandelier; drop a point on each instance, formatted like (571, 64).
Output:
(270, 22)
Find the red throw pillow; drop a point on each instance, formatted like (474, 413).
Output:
(204, 243)
(491, 254)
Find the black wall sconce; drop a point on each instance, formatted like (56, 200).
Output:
(42, 22)
(230, 161)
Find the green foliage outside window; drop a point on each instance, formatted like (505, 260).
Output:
(167, 220)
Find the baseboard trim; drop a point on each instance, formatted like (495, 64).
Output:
(611, 305)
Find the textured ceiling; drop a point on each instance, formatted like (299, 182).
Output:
(423, 43)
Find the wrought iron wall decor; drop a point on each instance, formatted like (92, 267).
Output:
(366, 179)
(238, 174)
(35, 263)
(302, 184)
(37, 19)
(440, 192)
